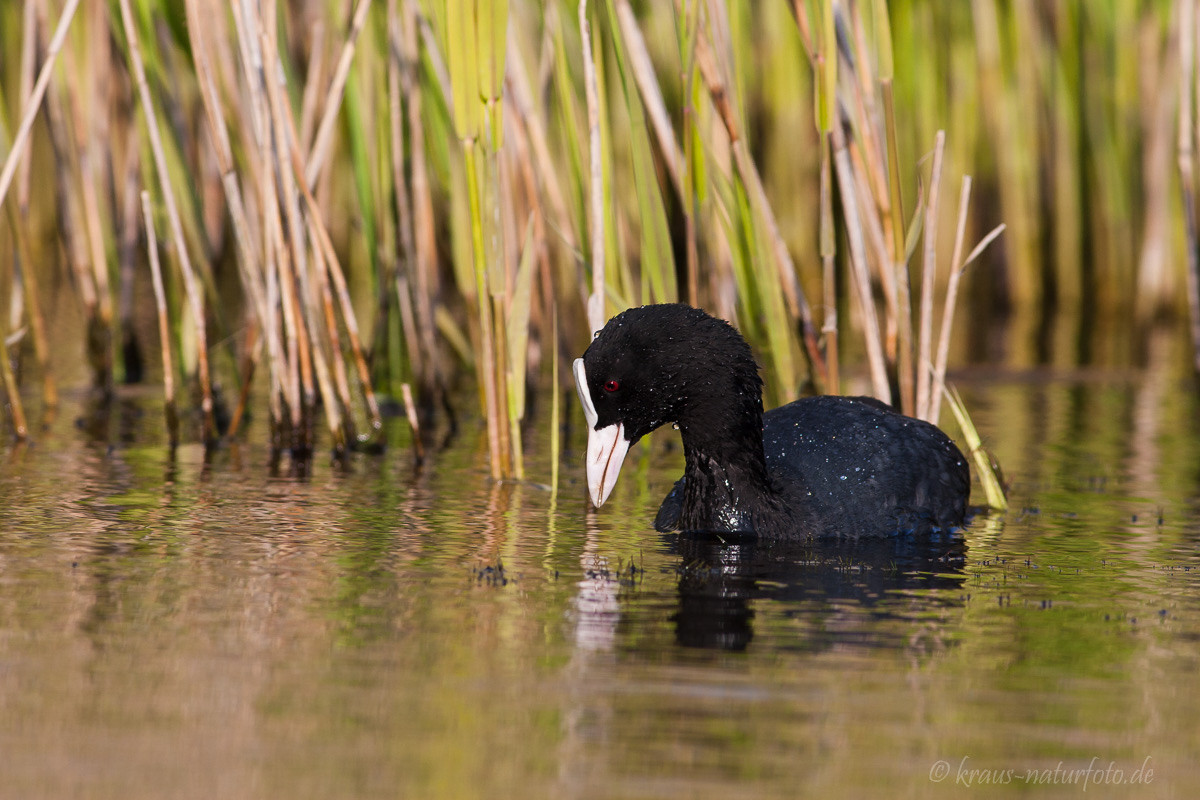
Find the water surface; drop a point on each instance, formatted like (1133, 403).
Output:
(171, 628)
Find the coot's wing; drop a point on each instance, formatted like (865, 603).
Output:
(860, 469)
(668, 514)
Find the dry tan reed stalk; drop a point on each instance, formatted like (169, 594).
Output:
(249, 268)
(424, 234)
(877, 232)
(323, 302)
(1189, 37)
(528, 181)
(867, 110)
(283, 387)
(410, 411)
(93, 225)
(333, 99)
(27, 278)
(537, 170)
(555, 409)
(951, 295)
(251, 351)
(29, 44)
(785, 267)
(164, 325)
(408, 324)
(252, 68)
(595, 302)
(321, 237)
(899, 263)
(651, 93)
(16, 409)
(521, 100)
(16, 152)
(828, 250)
(191, 285)
(823, 59)
(690, 205)
(285, 362)
(279, 263)
(928, 272)
(419, 343)
(130, 232)
(293, 251)
(314, 78)
(859, 272)
(676, 161)
(943, 350)
(66, 201)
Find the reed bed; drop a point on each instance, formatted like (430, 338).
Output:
(364, 201)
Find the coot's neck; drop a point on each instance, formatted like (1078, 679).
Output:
(727, 486)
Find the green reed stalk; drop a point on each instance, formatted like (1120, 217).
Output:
(984, 471)
(797, 303)
(475, 50)
(657, 260)
(164, 326)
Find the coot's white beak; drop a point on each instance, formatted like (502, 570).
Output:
(606, 447)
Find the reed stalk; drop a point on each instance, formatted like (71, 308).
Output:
(951, 295)
(1189, 88)
(9, 381)
(534, 160)
(984, 471)
(424, 235)
(860, 278)
(555, 408)
(956, 271)
(824, 57)
(323, 142)
(596, 315)
(899, 265)
(924, 370)
(164, 325)
(475, 41)
(29, 114)
(690, 197)
(191, 285)
(786, 270)
(25, 277)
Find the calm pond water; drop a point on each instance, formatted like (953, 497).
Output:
(170, 629)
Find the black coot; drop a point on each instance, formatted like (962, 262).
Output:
(821, 466)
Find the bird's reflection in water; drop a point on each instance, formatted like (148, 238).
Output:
(721, 579)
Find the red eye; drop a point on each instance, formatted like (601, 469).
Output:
(611, 386)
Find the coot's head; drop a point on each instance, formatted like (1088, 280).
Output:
(658, 364)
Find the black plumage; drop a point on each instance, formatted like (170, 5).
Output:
(821, 466)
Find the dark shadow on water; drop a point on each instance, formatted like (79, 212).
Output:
(722, 579)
